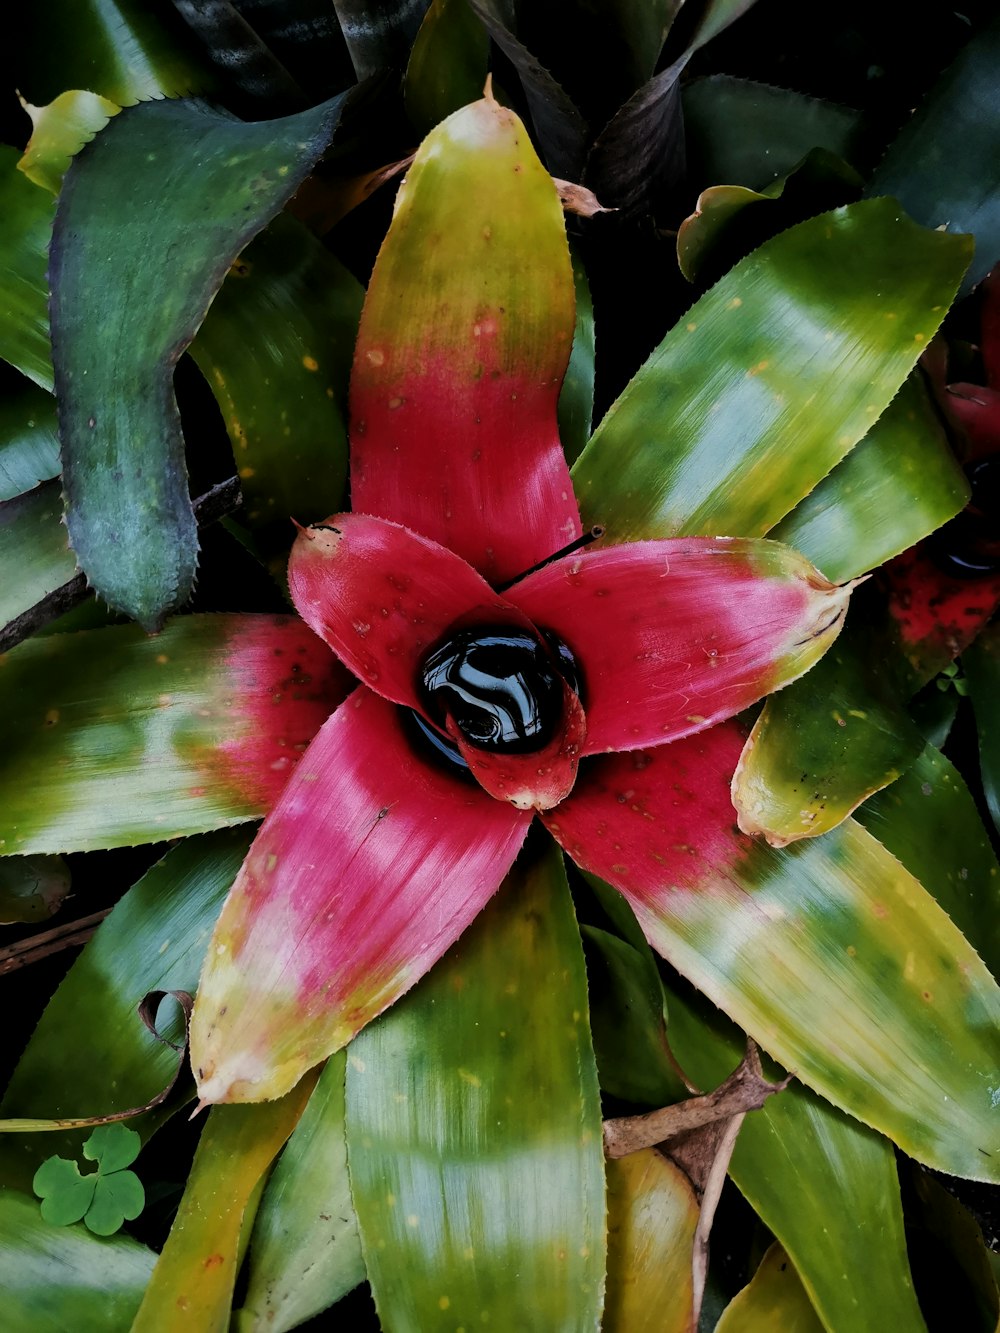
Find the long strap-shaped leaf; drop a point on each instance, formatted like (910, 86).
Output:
(473, 1129)
(151, 215)
(771, 378)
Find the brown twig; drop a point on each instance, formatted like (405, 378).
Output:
(37, 947)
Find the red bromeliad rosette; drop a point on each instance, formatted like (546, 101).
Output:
(487, 693)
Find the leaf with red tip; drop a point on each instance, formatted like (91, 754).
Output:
(114, 738)
(381, 596)
(535, 781)
(830, 954)
(675, 635)
(373, 862)
(464, 341)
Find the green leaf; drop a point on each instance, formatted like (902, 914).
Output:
(774, 1298)
(627, 1017)
(474, 1130)
(771, 378)
(652, 1217)
(196, 1272)
(730, 220)
(113, 1147)
(981, 663)
(823, 745)
(275, 348)
(65, 1194)
(57, 1279)
(25, 227)
(32, 888)
(943, 166)
(745, 133)
(576, 397)
(929, 821)
(305, 1252)
(29, 446)
(119, 1197)
(379, 36)
(90, 1054)
(824, 1185)
(35, 559)
(59, 132)
(164, 178)
(115, 738)
(900, 483)
(125, 50)
(447, 66)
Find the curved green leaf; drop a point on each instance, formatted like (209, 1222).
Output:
(305, 1252)
(745, 133)
(652, 1217)
(164, 178)
(576, 397)
(55, 1279)
(29, 446)
(730, 220)
(824, 1184)
(771, 378)
(59, 132)
(115, 738)
(773, 1299)
(474, 1131)
(447, 66)
(929, 821)
(125, 50)
(65, 1193)
(275, 348)
(196, 1273)
(944, 166)
(90, 1054)
(379, 36)
(35, 558)
(823, 745)
(981, 663)
(900, 483)
(25, 227)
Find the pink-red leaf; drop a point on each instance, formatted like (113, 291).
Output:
(372, 863)
(675, 635)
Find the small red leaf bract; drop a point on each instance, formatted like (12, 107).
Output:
(373, 862)
(673, 636)
(464, 341)
(535, 781)
(381, 596)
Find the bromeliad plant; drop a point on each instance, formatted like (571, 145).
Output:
(520, 639)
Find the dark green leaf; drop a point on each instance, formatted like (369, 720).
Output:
(745, 133)
(276, 349)
(576, 398)
(126, 50)
(177, 190)
(771, 378)
(944, 167)
(981, 663)
(447, 67)
(32, 888)
(773, 1299)
(379, 33)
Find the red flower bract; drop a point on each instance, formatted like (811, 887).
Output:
(378, 854)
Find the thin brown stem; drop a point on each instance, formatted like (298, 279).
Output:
(67, 936)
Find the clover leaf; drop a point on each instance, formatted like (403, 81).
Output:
(104, 1198)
